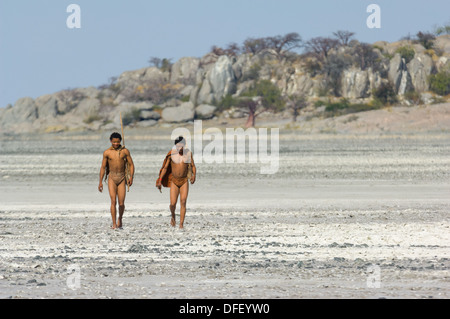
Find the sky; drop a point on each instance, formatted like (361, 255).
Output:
(40, 54)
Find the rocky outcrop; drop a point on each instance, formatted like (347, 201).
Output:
(136, 77)
(147, 123)
(443, 63)
(47, 106)
(420, 69)
(177, 114)
(20, 116)
(146, 115)
(185, 70)
(398, 75)
(86, 108)
(205, 111)
(218, 82)
(359, 84)
(304, 84)
(194, 87)
(355, 84)
(443, 43)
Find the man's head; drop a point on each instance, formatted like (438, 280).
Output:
(115, 139)
(180, 143)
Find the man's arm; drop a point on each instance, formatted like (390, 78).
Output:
(194, 169)
(163, 172)
(102, 171)
(131, 166)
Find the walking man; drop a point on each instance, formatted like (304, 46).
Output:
(118, 166)
(178, 168)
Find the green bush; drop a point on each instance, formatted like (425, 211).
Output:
(270, 93)
(413, 97)
(253, 73)
(387, 55)
(337, 106)
(345, 107)
(440, 83)
(426, 39)
(227, 102)
(319, 103)
(406, 52)
(185, 98)
(384, 94)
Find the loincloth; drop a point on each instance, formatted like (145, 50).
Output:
(178, 181)
(117, 178)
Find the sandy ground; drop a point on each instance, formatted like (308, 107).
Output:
(344, 217)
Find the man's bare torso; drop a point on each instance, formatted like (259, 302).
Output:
(116, 160)
(179, 164)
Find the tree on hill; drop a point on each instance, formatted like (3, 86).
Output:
(162, 64)
(255, 45)
(320, 47)
(343, 37)
(426, 39)
(232, 49)
(280, 44)
(284, 43)
(365, 56)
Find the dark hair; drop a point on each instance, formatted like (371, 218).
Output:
(181, 140)
(115, 135)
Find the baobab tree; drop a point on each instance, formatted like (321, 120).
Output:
(284, 43)
(319, 47)
(343, 37)
(279, 43)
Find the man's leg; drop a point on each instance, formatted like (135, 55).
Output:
(121, 193)
(113, 194)
(184, 190)
(174, 191)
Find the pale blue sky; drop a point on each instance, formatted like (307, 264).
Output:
(40, 55)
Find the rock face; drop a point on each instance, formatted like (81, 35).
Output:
(219, 81)
(47, 106)
(443, 43)
(185, 70)
(443, 64)
(147, 123)
(131, 78)
(205, 111)
(24, 110)
(303, 84)
(19, 117)
(177, 114)
(355, 84)
(420, 69)
(87, 107)
(399, 76)
(149, 115)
